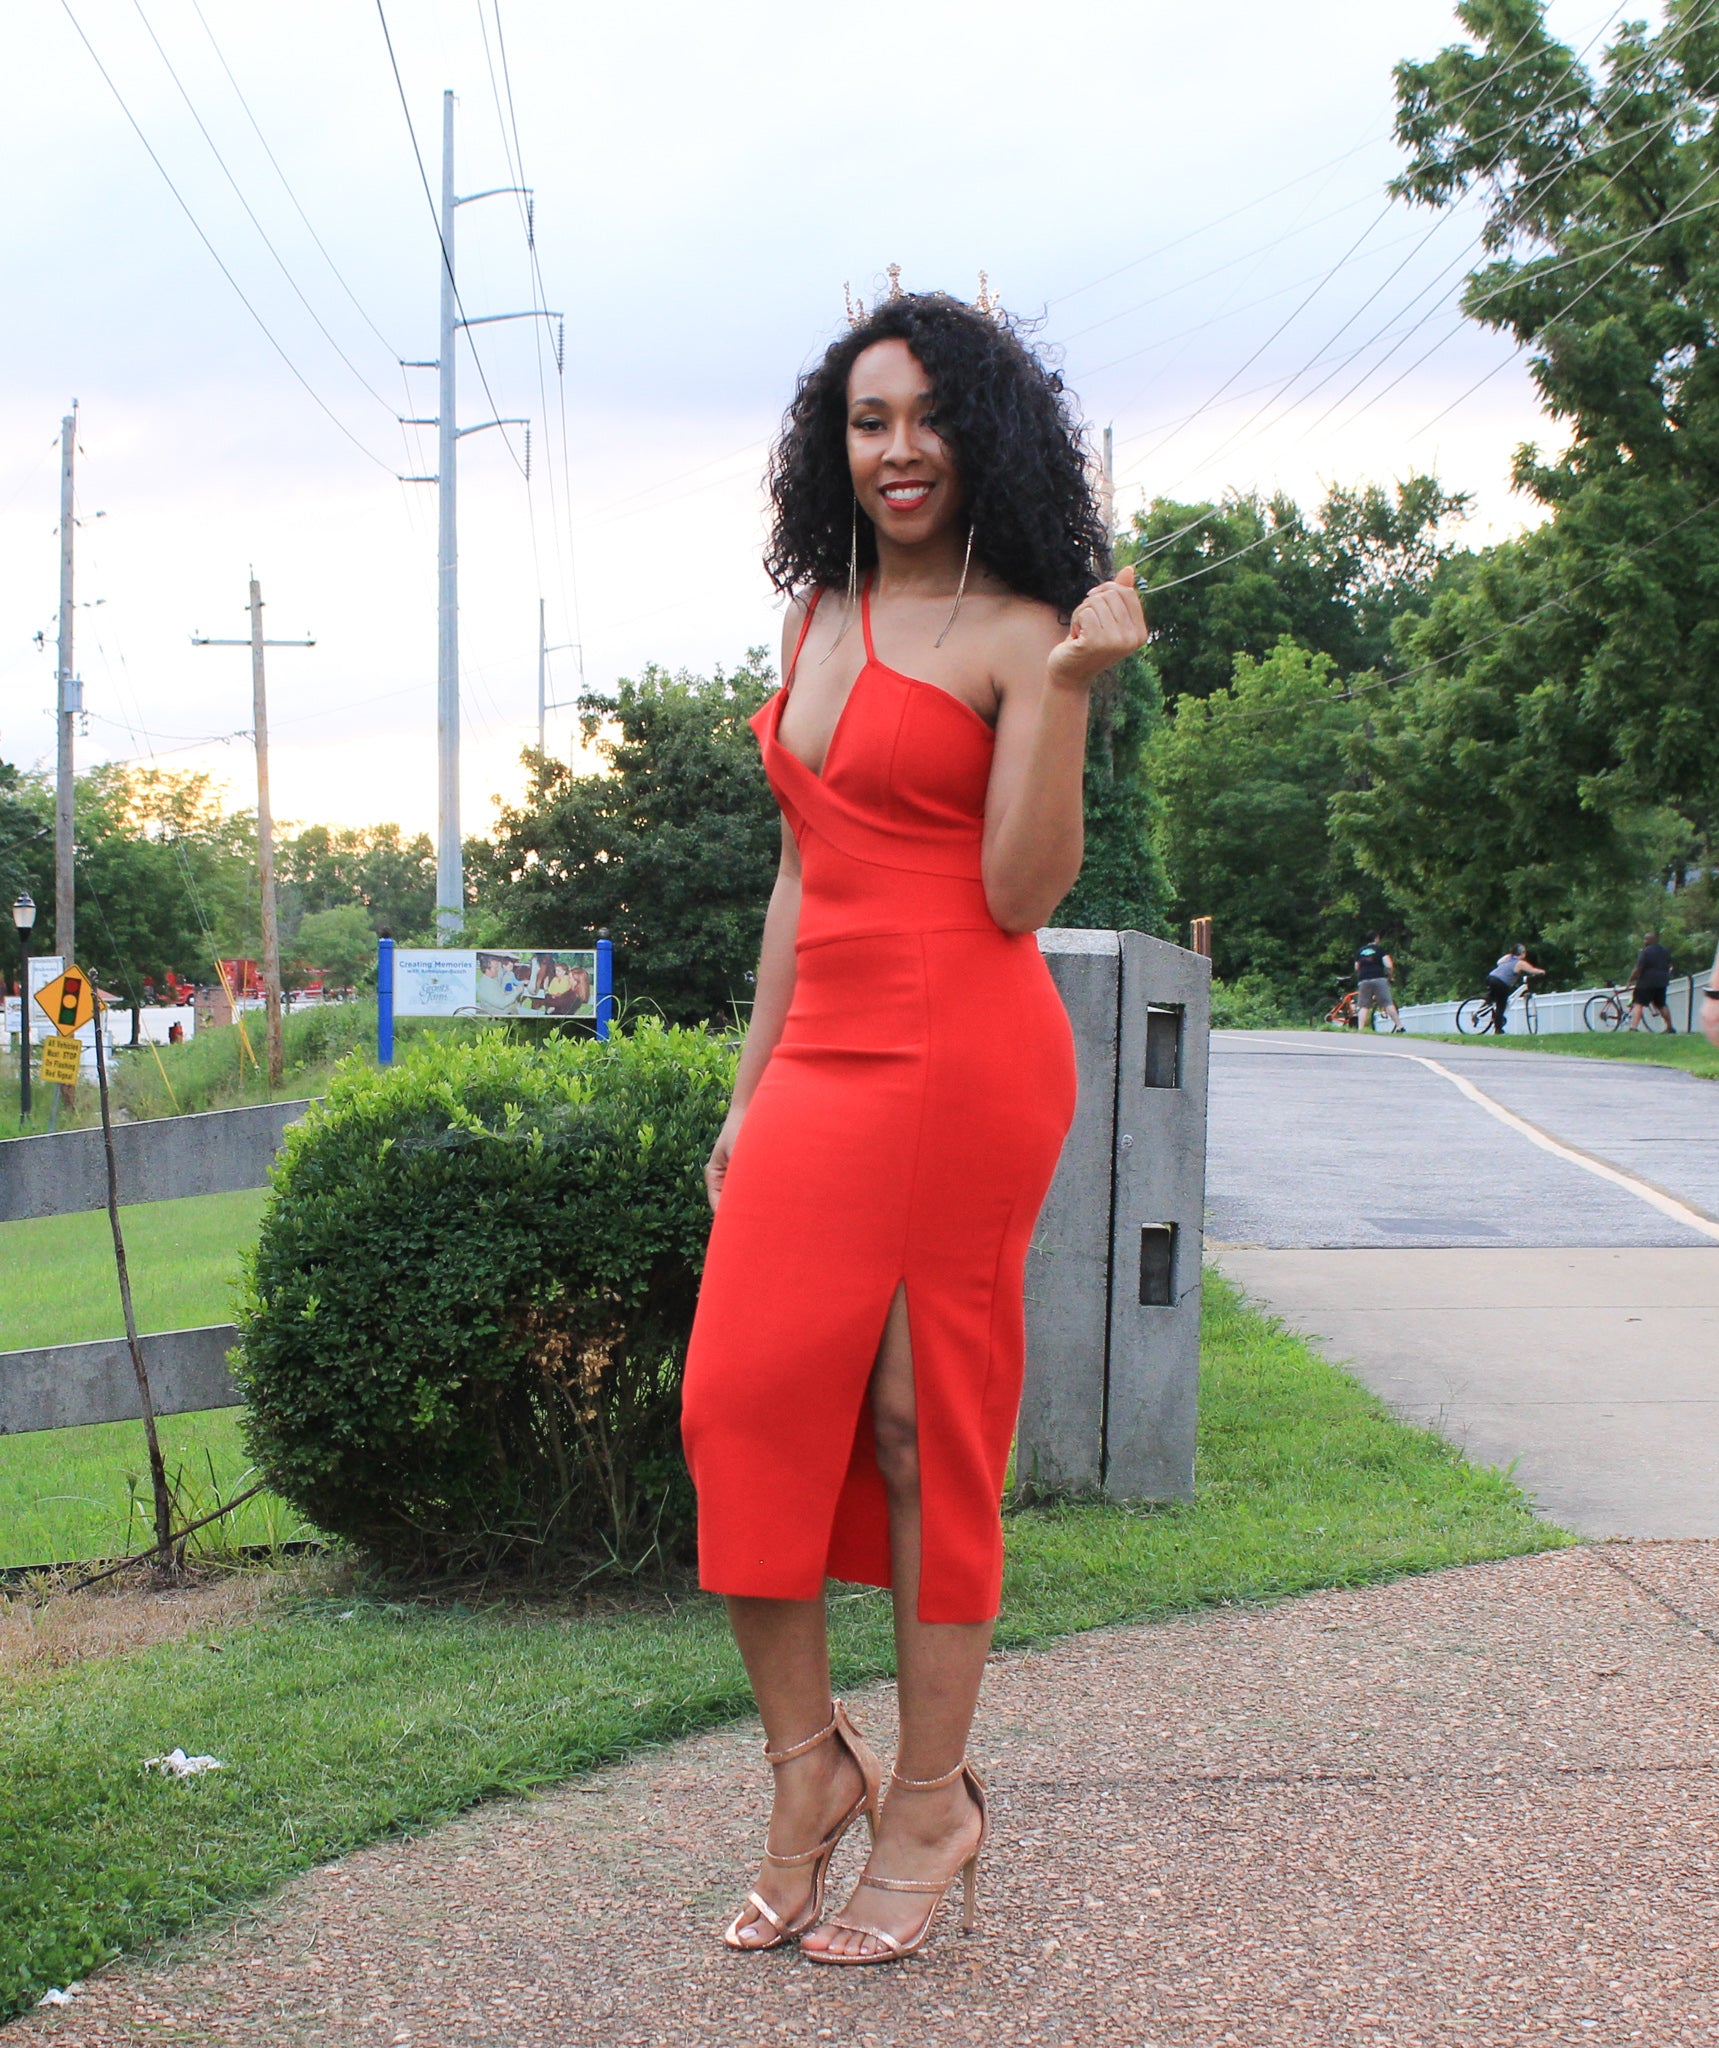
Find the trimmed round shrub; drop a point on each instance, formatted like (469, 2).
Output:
(464, 1325)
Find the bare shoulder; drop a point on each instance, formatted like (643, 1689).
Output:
(1022, 632)
(793, 622)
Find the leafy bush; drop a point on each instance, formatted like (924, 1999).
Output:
(466, 1318)
(1251, 1002)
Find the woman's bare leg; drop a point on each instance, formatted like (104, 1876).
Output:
(939, 1666)
(787, 1658)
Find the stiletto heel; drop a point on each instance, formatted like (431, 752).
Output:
(838, 1729)
(894, 1948)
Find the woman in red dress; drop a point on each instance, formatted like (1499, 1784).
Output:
(855, 1370)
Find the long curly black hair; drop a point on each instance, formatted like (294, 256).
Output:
(1008, 424)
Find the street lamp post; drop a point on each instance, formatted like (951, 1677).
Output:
(24, 916)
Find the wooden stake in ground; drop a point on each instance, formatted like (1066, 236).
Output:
(157, 1465)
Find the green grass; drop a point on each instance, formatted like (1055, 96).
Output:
(341, 1720)
(1686, 1049)
(57, 1279)
(74, 1493)
(84, 1493)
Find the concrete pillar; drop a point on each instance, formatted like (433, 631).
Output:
(1113, 1278)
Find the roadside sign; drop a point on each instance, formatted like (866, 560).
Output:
(69, 1002)
(61, 1058)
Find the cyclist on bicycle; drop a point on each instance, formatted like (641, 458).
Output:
(1508, 970)
(1373, 970)
(1650, 979)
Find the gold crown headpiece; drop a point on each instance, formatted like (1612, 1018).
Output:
(986, 301)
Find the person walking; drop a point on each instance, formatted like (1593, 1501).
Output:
(1710, 1005)
(854, 1372)
(1374, 968)
(1650, 983)
(1508, 970)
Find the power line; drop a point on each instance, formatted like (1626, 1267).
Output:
(197, 227)
(286, 185)
(250, 212)
(1407, 333)
(1508, 130)
(435, 217)
(570, 583)
(1236, 711)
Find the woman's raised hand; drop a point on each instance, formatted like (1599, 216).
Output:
(1108, 626)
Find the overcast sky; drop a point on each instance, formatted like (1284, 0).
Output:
(1191, 198)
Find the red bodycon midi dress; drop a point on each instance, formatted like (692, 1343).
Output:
(903, 1134)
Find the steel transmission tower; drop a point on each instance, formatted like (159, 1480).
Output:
(450, 866)
(68, 702)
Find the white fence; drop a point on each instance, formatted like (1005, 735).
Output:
(1559, 1010)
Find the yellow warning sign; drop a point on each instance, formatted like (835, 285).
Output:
(61, 1058)
(68, 1001)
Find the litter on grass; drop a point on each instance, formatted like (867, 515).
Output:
(58, 1997)
(176, 1764)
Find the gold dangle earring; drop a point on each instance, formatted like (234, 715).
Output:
(853, 587)
(960, 589)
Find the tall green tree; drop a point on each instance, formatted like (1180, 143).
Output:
(166, 876)
(1234, 578)
(1592, 647)
(672, 846)
(1245, 778)
(390, 877)
(1485, 801)
(26, 855)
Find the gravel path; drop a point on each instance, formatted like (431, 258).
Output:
(1476, 1807)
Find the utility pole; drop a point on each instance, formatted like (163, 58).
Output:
(1107, 488)
(265, 823)
(68, 702)
(450, 866)
(450, 859)
(544, 651)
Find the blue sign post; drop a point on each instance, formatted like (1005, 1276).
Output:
(605, 986)
(385, 1002)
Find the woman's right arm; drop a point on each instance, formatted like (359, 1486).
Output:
(773, 991)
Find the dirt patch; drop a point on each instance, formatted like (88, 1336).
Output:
(42, 1629)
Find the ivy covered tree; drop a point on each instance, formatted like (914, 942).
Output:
(1122, 886)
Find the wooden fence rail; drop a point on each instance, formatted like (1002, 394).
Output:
(162, 1160)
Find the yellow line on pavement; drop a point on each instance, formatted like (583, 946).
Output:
(1667, 1205)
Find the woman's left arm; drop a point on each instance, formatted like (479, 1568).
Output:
(1034, 816)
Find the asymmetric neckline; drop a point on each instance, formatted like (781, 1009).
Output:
(871, 662)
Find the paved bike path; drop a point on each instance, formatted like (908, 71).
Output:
(1319, 1138)
(1547, 1320)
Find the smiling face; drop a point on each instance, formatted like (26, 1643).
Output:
(904, 476)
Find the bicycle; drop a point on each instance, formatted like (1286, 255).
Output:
(1342, 1012)
(1610, 1011)
(1476, 1014)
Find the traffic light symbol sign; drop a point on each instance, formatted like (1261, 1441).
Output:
(68, 1001)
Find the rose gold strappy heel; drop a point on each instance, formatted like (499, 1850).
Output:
(894, 1948)
(840, 1729)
